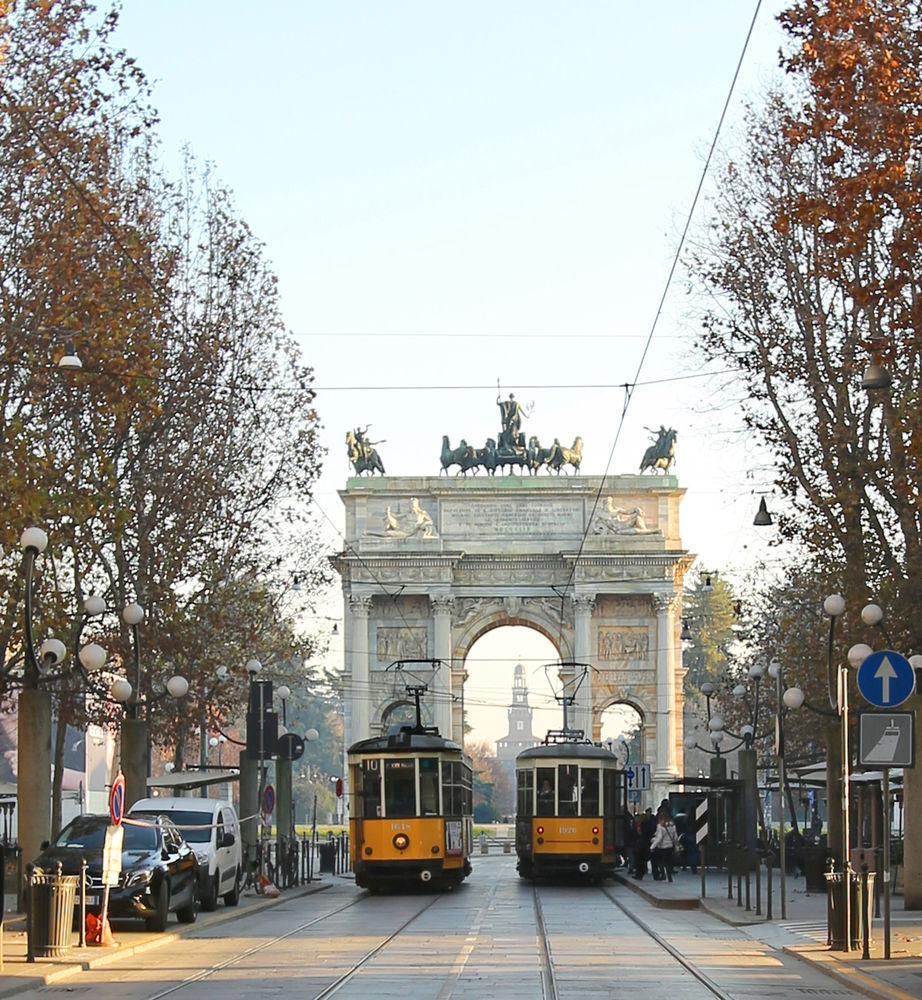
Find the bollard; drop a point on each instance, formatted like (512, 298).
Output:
(739, 890)
(30, 952)
(758, 886)
(768, 885)
(83, 902)
(748, 881)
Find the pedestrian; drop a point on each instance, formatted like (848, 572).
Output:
(646, 827)
(662, 847)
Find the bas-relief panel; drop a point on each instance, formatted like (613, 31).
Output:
(468, 609)
(401, 643)
(622, 606)
(624, 642)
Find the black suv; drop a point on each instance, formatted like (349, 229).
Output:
(159, 869)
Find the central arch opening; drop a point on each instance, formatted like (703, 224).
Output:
(508, 706)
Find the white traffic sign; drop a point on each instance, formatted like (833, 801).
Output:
(886, 679)
(638, 778)
(112, 855)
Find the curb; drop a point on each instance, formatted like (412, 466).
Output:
(100, 961)
(726, 918)
(681, 903)
(819, 958)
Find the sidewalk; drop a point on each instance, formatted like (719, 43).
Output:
(803, 933)
(18, 975)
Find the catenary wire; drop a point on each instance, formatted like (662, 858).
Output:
(629, 389)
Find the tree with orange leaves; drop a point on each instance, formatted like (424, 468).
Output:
(813, 268)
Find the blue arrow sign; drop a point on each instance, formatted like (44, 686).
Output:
(630, 776)
(886, 679)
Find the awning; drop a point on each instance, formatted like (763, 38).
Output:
(193, 779)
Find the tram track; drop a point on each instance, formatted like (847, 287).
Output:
(690, 967)
(328, 990)
(337, 984)
(548, 973)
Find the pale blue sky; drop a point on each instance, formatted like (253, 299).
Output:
(479, 168)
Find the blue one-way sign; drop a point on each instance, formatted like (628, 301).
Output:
(886, 679)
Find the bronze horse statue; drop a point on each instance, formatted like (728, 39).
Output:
(566, 456)
(538, 456)
(464, 456)
(660, 454)
(363, 459)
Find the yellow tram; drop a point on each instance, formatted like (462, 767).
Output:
(410, 801)
(571, 816)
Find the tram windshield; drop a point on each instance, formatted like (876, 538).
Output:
(565, 790)
(544, 784)
(400, 787)
(403, 787)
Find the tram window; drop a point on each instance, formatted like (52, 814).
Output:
(545, 784)
(609, 784)
(400, 787)
(371, 789)
(452, 788)
(589, 793)
(567, 789)
(467, 787)
(429, 786)
(526, 796)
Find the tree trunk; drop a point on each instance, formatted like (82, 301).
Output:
(60, 737)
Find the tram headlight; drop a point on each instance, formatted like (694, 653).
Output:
(401, 841)
(595, 830)
(540, 830)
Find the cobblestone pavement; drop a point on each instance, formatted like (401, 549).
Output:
(483, 940)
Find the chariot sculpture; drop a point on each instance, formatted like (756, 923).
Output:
(509, 451)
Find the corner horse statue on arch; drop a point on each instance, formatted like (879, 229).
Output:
(660, 454)
(362, 453)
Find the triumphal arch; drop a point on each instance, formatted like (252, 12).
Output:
(430, 564)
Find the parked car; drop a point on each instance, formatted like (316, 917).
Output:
(211, 828)
(159, 869)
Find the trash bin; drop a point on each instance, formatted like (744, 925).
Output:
(837, 883)
(328, 857)
(815, 868)
(51, 911)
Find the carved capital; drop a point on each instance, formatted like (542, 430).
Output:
(583, 604)
(360, 604)
(665, 602)
(443, 605)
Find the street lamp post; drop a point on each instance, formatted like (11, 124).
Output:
(220, 677)
(33, 778)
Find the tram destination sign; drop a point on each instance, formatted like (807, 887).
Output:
(886, 739)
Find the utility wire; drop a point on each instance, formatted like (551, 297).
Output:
(629, 388)
(312, 390)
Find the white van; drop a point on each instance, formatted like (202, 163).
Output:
(211, 829)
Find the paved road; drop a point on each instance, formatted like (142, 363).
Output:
(482, 941)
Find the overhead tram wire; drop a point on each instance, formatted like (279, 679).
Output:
(312, 390)
(629, 388)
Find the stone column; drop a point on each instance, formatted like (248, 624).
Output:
(666, 723)
(583, 606)
(360, 688)
(441, 687)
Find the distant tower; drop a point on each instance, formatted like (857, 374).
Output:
(518, 738)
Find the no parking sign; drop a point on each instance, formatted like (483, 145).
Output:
(117, 800)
